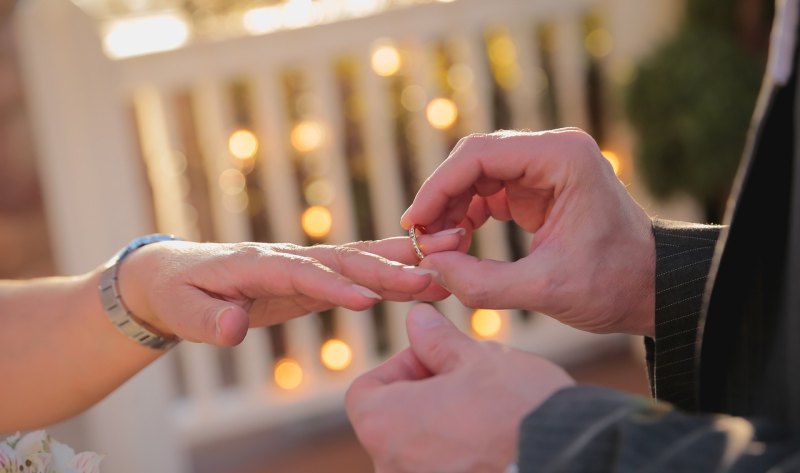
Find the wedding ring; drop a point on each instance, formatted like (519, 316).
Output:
(412, 232)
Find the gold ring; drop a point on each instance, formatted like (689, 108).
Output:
(412, 232)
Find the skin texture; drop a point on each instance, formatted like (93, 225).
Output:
(448, 403)
(591, 264)
(60, 353)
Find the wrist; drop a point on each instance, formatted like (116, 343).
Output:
(143, 328)
(134, 277)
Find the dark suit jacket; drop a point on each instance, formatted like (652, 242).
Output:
(727, 346)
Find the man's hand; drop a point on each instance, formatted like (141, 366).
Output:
(213, 293)
(592, 261)
(448, 403)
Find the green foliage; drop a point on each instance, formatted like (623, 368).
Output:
(691, 104)
(708, 14)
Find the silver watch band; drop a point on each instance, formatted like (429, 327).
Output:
(119, 315)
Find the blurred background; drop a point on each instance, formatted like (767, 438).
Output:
(315, 121)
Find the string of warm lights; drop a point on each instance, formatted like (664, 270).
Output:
(336, 355)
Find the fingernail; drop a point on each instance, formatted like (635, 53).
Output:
(366, 292)
(403, 217)
(450, 231)
(421, 271)
(425, 316)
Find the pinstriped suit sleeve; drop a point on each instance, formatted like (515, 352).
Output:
(592, 429)
(683, 258)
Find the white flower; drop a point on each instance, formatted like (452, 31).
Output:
(37, 452)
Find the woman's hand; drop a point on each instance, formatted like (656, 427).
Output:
(210, 292)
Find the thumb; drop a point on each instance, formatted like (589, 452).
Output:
(198, 317)
(435, 341)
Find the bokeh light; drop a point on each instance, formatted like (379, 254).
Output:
(262, 20)
(336, 355)
(307, 136)
(288, 374)
(502, 51)
(386, 59)
(441, 113)
(232, 181)
(486, 323)
(243, 144)
(145, 35)
(413, 98)
(460, 77)
(599, 43)
(503, 58)
(613, 158)
(236, 203)
(319, 192)
(317, 221)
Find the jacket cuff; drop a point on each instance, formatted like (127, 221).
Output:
(684, 252)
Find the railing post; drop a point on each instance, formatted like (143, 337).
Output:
(157, 132)
(213, 118)
(570, 72)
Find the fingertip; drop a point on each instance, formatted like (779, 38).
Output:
(363, 299)
(436, 342)
(425, 316)
(405, 222)
(403, 279)
(414, 280)
(445, 240)
(367, 292)
(232, 324)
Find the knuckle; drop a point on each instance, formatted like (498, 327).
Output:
(345, 251)
(544, 284)
(471, 294)
(367, 246)
(472, 138)
(287, 248)
(341, 254)
(471, 142)
(249, 250)
(584, 151)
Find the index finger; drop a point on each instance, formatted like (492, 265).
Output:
(478, 159)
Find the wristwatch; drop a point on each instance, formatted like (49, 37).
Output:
(117, 312)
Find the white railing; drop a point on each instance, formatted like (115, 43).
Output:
(99, 122)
